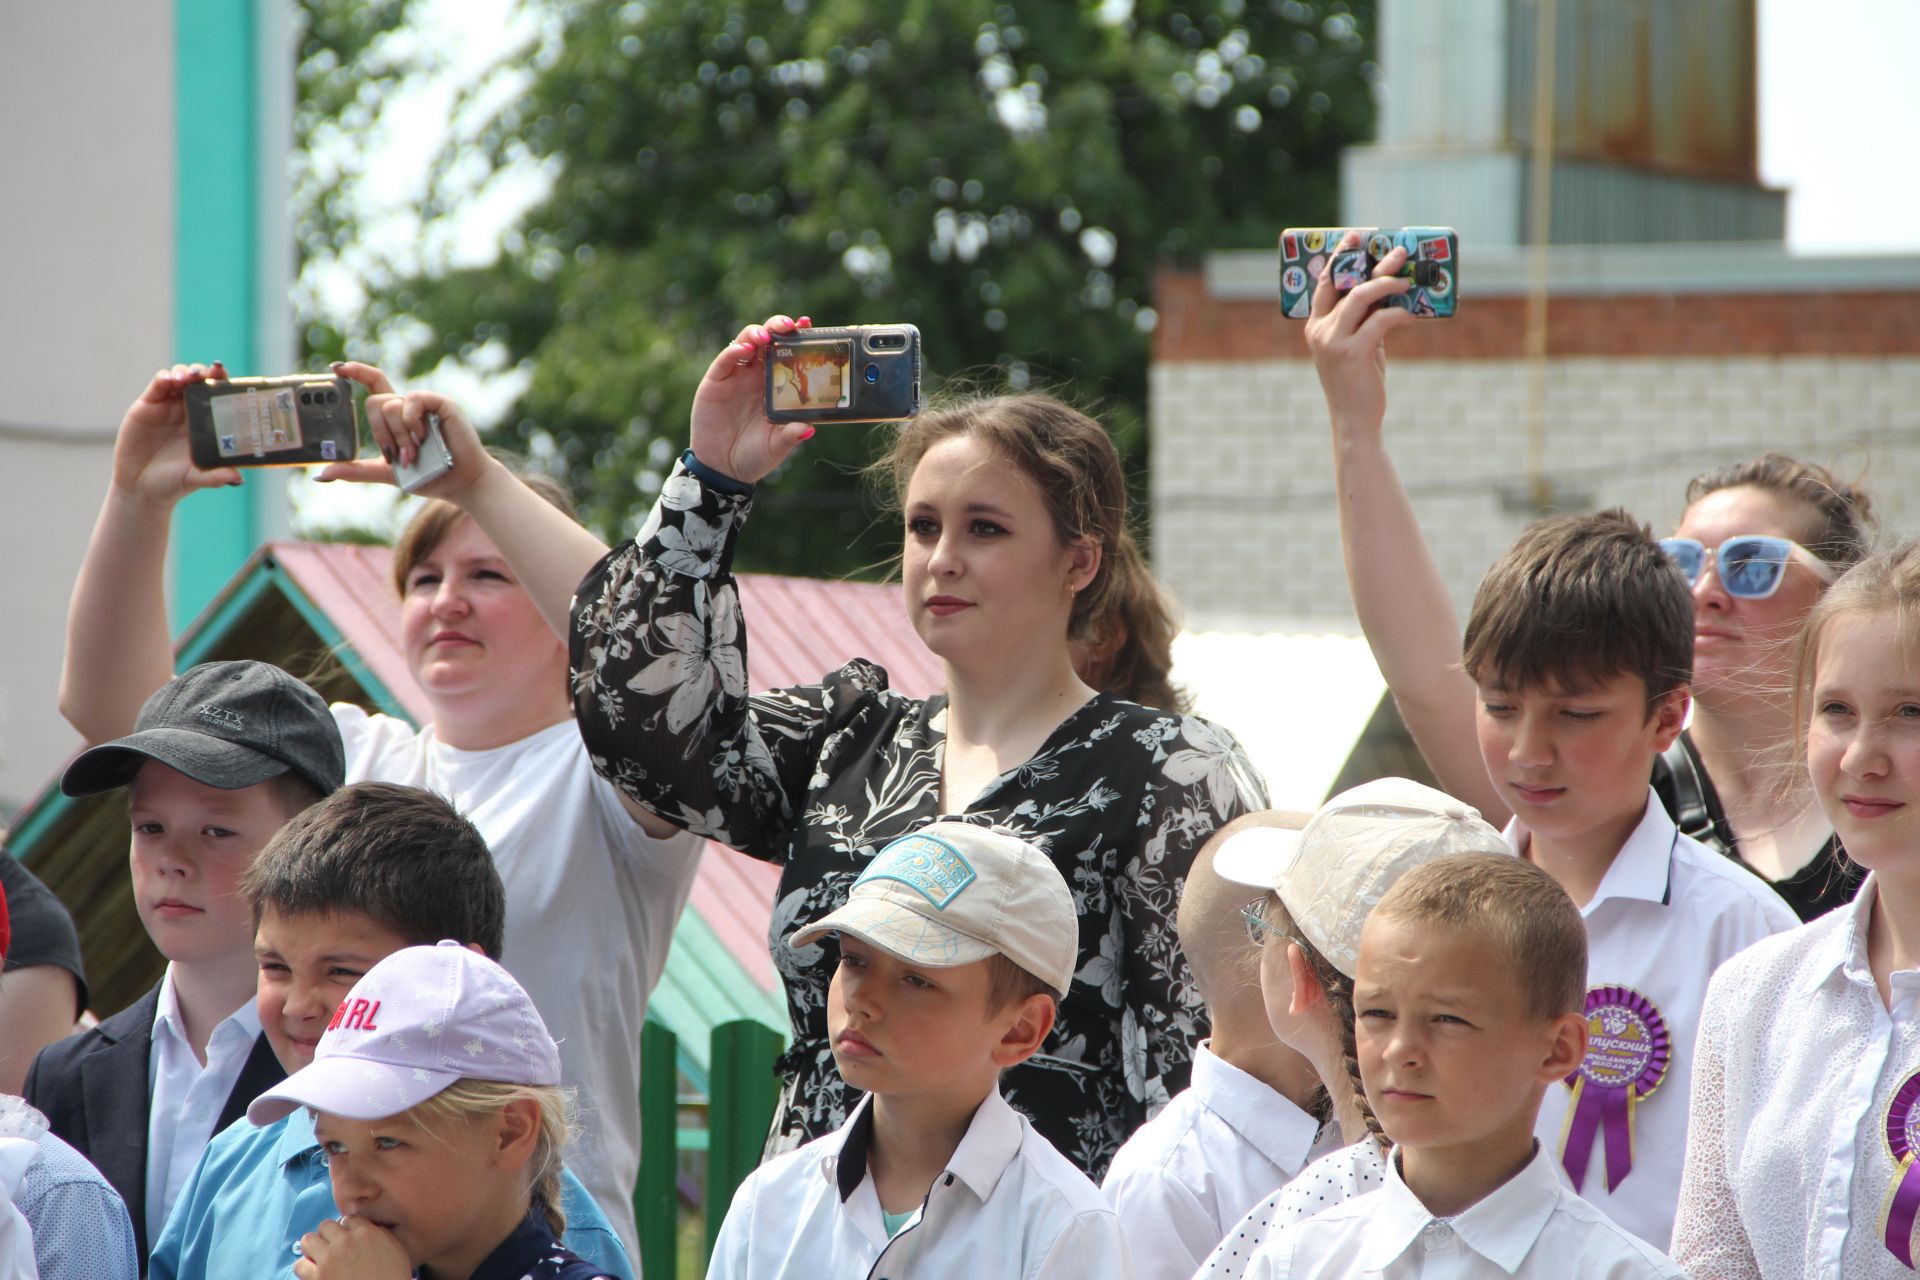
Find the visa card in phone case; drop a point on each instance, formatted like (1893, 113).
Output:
(1433, 264)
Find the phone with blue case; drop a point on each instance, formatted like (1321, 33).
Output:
(1433, 264)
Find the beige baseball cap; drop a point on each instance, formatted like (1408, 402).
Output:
(1331, 873)
(955, 892)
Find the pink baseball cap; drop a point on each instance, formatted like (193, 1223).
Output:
(419, 1020)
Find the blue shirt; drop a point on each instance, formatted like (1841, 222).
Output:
(258, 1189)
(81, 1230)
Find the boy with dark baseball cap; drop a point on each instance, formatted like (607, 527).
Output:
(221, 756)
(955, 944)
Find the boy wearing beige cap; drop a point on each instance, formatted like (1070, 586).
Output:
(1321, 883)
(954, 945)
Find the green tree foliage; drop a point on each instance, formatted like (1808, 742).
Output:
(1007, 176)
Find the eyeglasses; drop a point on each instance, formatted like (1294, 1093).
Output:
(1750, 566)
(1258, 929)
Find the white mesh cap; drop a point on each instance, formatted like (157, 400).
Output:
(956, 892)
(1332, 873)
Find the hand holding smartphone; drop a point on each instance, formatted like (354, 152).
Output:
(1433, 264)
(855, 373)
(292, 421)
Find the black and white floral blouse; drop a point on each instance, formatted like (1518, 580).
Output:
(818, 778)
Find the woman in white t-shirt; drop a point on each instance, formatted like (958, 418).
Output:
(484, 574)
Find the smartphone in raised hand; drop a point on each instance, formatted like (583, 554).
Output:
(1433, 264)
(292, 421)
(855, 373)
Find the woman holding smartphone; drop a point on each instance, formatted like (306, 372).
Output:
(1016, 545)
(1759, 541)
(483, 573)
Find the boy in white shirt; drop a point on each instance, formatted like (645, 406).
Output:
(1471, 997)
(955, 943)
(1256, 1110)
(1574, 675)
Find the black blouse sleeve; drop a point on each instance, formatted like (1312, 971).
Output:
(659, 661)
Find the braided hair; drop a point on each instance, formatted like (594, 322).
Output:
(1338, 989)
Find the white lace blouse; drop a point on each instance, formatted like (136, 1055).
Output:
(1787, 1164)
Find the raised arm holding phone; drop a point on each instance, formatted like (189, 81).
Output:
(1759, 542)
(1016, 547)
(484, 572)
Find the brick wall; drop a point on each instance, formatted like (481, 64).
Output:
(1642, 393)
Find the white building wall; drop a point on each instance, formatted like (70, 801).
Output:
(1245, 530)
(86, 314)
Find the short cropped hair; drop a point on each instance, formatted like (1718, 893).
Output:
(401, 856)
(1578, 600)
(1009, 984)
(1514, 905)
(1213, 937)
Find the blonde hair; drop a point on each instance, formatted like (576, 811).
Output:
(466, 1100)
(436, 518)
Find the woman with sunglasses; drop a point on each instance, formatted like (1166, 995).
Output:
(1760, 541)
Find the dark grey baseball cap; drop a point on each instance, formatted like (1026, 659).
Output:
(227, 725)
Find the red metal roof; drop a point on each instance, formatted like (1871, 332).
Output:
(798, 629)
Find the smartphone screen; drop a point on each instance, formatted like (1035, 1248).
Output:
(812, 374)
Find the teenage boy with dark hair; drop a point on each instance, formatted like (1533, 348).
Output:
(1576, 663)
(955, 944)
(375, 868)
(221, 756)
(1471, 1006)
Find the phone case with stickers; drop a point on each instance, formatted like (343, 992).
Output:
(293, 421)
(856, 373)
(1433, 264)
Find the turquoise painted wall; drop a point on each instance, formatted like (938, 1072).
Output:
(216, 263)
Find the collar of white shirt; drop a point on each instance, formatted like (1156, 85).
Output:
(1253, 1108)
(1501, 1227)
(1843, 950)
(1643, 868)
(990, 1144)
(242, 1025)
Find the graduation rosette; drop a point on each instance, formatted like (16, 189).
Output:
(1902, 1205)
(1628, 1052)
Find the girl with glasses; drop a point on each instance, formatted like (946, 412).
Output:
(1760, 541)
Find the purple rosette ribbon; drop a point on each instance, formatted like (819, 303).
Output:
(1902, 1206)
(1628, 1052)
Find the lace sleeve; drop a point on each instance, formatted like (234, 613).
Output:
(659, 668)
(1709, 1240)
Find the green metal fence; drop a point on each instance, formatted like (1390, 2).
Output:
(735, 1116)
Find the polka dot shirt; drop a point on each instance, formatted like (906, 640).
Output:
(1332, 1179)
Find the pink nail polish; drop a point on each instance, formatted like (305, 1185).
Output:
(807, 434)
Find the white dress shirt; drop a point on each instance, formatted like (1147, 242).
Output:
(1531, 1227)
(1799, 1058)
(1335, 1178)
(185, 1098)
(1008, 1206)
(1668, 912)
(1186, 1176)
